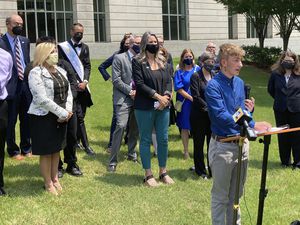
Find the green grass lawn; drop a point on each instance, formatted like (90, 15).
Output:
(103, 198)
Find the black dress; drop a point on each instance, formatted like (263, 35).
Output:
(47, 135)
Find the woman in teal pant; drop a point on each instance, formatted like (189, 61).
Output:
(152, 77)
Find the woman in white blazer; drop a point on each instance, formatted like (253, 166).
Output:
(49, 111)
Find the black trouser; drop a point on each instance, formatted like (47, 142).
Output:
(70, 149)
(3, 127)
(81, 130)
(19, 105)
(288, 142)
(200, 127)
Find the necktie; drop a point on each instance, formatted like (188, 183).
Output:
(18, 59)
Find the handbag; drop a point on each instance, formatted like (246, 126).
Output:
(178, 105)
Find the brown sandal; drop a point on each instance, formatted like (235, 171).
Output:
(165, 178)
(150, 181)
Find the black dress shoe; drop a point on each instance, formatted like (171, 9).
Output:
(132, 158)
(60, 173)
(2, 192)
(89, 151)
(79, 146)
(74, 170)
(111, 168)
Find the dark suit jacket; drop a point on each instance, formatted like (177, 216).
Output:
(84, 97)
(25, 45)
(147, 84)
(286, 96)
(198, 86)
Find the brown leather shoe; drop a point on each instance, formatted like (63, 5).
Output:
(18, 157)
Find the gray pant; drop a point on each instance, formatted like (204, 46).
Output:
(124, 115)
(223, 159)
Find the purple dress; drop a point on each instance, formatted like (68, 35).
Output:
(182, 80)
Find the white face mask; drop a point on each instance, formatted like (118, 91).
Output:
(52, 59)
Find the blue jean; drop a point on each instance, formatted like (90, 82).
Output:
(146, 121)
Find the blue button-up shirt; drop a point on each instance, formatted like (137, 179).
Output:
(224, 96)
(11, 40)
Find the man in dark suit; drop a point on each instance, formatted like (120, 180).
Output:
(77, 53)
(18, 98)
(5, 74)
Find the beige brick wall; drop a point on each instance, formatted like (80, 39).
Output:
(207, 20)
(7, 7)
(136, 16)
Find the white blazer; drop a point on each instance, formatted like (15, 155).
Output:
(42, 89)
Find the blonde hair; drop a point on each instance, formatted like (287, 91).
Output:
(277, 67)
(228, 49)
(158, 57)
(42, 52)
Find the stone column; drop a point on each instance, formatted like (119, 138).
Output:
(84, 14)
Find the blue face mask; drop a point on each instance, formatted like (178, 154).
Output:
(188, 61)
(136, 49)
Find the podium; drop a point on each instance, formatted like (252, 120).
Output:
(263, 192)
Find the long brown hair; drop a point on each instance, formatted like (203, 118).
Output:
(186, 50)
(277, 67)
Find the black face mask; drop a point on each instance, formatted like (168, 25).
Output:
(188, 61)
(208, 67)
(17, 30)
(153, 49)
(136, 48)
(77, 37)
(288, 65)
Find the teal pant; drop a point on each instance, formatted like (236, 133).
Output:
(146, 121)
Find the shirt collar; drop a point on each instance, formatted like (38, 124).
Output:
(130, 54)
(73, 42)
(10, 38)
(225, 78)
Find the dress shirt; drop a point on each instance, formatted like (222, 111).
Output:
(12, 42)
(223, 97)
(5, 72)
(78, 48)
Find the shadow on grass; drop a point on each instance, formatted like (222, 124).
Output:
(24, 187)
(122, 180)
(272, 165)
(22, 169)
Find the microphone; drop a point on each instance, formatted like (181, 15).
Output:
(247, 89)
(242, 118)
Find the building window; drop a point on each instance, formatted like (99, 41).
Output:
(46, 17)
(230, 24)
(99, 20)
(251, 32)
(175, 19)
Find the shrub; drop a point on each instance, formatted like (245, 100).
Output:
(261, 57)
